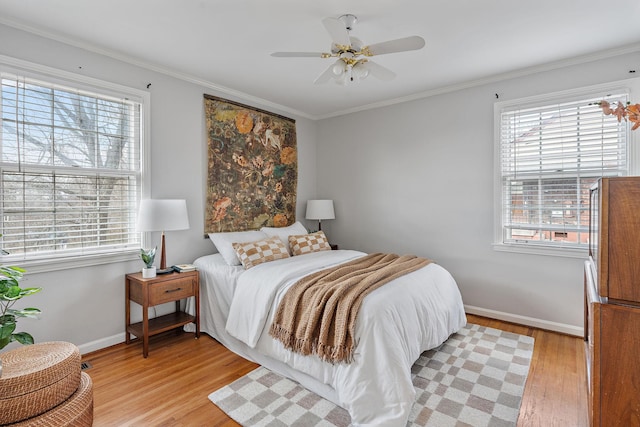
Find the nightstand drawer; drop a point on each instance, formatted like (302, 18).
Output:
(173, 290)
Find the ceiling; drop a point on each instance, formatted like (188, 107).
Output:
(226, 44)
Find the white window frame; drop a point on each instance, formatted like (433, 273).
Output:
(629, 86)
(68, 79)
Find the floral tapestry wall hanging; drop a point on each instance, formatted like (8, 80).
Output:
(252, 167)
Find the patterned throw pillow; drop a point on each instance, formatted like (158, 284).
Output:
(307, 243)
(254, 253)
(284, 232)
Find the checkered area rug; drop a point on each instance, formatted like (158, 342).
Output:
(476, 378)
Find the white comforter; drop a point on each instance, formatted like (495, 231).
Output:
(396, 323)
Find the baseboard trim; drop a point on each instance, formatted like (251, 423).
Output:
(524, 320)
(479, 311)
(101, 343)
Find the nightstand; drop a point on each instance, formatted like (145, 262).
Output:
(159, 290)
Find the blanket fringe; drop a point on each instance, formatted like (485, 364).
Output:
(327, 353)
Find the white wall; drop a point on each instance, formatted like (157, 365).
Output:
(417, 178)
(86, 305)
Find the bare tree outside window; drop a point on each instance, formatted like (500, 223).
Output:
(70, 169)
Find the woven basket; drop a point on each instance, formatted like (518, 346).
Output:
(36, 378)
(77, 411)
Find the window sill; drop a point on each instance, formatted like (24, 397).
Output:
(542, 250)
(55, 264)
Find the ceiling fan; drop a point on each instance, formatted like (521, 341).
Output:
(352, 56)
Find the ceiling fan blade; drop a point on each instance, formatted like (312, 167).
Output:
(337, 31)
(398, 45)
(378, 71)
(297, 54)
(326, 76)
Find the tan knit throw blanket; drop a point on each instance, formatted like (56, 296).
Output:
(318, 313)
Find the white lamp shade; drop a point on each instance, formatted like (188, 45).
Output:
(320, 209)
(163, 215)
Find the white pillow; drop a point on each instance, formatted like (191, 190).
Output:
(283, 233)
(224, 243)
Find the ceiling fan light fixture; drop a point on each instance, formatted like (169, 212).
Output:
(345, 75)
(339, 68)
(360, 71)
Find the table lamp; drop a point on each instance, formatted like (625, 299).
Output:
(320, 209)
(163, 215)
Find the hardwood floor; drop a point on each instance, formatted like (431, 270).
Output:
(555, 393)
(171, 386)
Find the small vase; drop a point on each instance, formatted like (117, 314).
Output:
(149, 273)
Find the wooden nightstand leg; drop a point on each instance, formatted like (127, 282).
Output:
(127, 310)
(145, 333)
(197, 303)
(178, 309)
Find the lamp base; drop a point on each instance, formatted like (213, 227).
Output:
(164, 270)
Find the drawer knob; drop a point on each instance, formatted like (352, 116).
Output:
(172, 290)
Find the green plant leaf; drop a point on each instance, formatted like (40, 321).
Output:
(27, 312)
(4, 341)
(11, 274)
(10, 291)
(6, 330)
(29, 291)
(7, 318)
(22, 338)
(148, 256)
(12, 294)
(15, 269)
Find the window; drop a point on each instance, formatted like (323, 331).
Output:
(70, 162)
(550, 152)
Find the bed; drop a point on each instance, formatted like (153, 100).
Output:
(396, 323)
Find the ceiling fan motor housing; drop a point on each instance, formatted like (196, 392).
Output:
(349, 20)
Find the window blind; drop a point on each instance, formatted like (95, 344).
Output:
(550, 155)
(69, 170)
